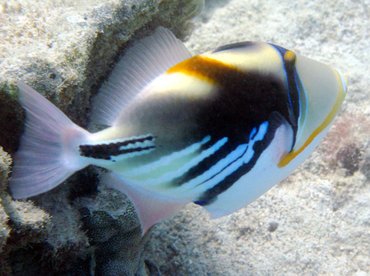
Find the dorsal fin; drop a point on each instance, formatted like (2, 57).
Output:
(142, 63)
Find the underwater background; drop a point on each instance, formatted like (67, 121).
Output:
(315, 222)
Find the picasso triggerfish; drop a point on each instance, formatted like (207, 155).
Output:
(218, 129)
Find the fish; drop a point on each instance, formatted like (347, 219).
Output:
(217, 129)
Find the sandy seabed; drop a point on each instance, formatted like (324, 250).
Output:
(318, 220)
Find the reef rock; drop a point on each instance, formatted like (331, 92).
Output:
(64, 50)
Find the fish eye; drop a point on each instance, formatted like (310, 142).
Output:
(290, 57)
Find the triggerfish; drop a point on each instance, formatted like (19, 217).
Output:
(217, 129)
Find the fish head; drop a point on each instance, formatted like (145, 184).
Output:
(322, 90)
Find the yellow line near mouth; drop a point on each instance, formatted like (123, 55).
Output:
(293, 154)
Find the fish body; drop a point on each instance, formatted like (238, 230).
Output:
(217, 129)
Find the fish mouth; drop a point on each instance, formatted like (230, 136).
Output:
(343, 80)
(324, 124)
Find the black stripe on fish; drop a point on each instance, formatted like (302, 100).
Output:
(225, 167)
(204, 165)
(239, 101)
(210, 195)
(293, 81)
(243, 99)
(107, 151)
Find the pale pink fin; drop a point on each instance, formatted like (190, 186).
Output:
(142, 63)
(151, 207)
(46, 156)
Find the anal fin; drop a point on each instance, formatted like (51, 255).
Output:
(150, 206)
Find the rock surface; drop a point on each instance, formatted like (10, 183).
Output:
(317, 222)
(64, 49)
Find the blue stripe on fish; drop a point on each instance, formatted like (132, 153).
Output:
(219, 158)
(218, 168)
(169, 177)
(168, 159)
(194, 159)
(205, 164)
(235, 170)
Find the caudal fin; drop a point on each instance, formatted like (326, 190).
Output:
(48, 152)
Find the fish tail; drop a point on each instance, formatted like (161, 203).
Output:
(48, 152)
